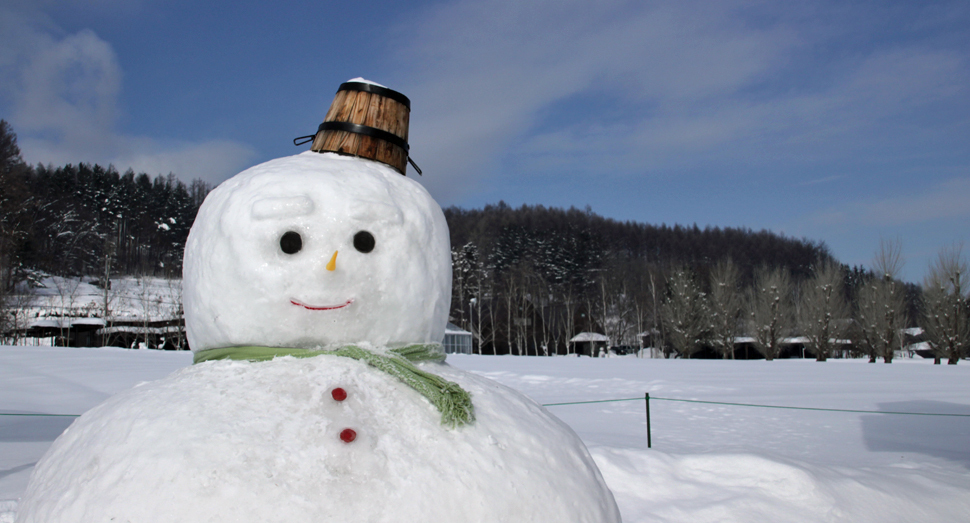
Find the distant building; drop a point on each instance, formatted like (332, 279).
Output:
(589, 343)
(457, 340)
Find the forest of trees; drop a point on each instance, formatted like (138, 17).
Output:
(89, 220)
(526, 280)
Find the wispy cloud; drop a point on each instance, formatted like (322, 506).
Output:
(817, 181)
(64, 93)
(488, 70)
(946, 200)
(690, 86)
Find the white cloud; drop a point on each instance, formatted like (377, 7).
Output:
(949, 200)
(212, 161)
(491, 69)
(665, 86)
(70, 87)
(63, 92)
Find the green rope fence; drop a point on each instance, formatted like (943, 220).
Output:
(661, 399)
(764, 406)
(646, 399)
(42, 415)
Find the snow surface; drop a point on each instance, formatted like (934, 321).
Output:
(240, 288)
(708, 462)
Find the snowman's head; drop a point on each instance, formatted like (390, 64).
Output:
(317, 250)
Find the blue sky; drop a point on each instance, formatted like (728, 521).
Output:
(845, 122)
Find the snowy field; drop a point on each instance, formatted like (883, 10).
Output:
(708, 462)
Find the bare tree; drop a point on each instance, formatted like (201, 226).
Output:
(725, 307)
(483, 328)
(149, 307)
(64, 304)
(615, 304)
(823, 310)
(174, 310)
(684, 313)
(16, 311)
(514, 287)
(640, 283)
(568, 297)
(882, 306)
(770, 308)
(946, 298)
(463, 269)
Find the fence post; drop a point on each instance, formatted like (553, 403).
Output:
(647, 398)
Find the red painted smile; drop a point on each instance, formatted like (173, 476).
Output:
(322, 307)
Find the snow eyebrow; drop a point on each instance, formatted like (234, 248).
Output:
(372, 210)
(280, 207)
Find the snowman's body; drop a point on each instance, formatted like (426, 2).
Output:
(266, 441)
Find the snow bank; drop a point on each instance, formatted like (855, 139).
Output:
(744, 487)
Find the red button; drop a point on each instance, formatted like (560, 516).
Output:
(348, 435)
(339, 394)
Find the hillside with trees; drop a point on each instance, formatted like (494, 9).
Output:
(89, 220)
(528, 279)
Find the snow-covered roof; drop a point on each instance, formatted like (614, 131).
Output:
(138, 329)
(87, 321)
(57, 323)
(796, 339)
(744, 339)
(913, 331)
(589, 336)
(64, 323)
(451, 328)
(923, 345)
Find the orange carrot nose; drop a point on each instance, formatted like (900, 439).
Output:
(332, 264)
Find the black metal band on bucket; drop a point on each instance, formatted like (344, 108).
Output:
(365, 130)
(378, 90)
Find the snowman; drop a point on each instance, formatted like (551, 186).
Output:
(316, 292)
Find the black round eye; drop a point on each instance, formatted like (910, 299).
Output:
(364, 241)
(291, 242)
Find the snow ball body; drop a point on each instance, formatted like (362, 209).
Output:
(238, 441)
(233, 441)
(317, 250)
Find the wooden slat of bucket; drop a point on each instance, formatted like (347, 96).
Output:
(343, 109)
(370, 115)
(397, 125)
(371, 110)
(337, 141)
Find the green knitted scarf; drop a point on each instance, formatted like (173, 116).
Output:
(449, 398)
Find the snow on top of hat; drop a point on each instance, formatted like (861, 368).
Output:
(364, 81)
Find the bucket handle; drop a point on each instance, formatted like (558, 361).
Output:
(364, 130)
